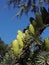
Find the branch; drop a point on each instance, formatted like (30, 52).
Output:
(42, 29)
(25, 48)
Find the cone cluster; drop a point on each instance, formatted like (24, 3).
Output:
(34, 29)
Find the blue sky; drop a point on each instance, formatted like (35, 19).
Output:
(10, 26)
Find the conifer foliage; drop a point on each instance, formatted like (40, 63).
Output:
(28, 47)
(26, 6)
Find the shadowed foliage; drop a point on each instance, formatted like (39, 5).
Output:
(25, 6)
